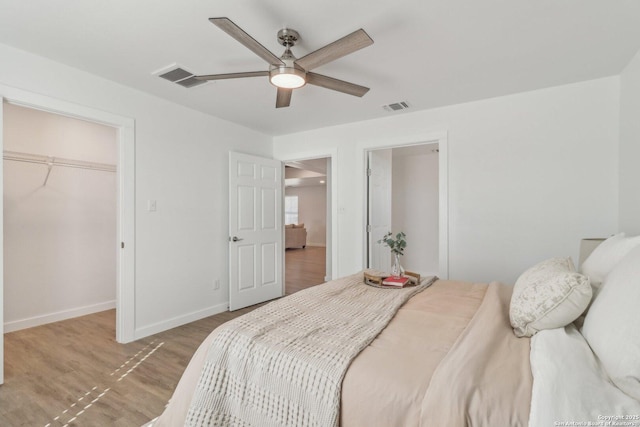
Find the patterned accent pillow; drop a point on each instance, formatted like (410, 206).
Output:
(548, 295)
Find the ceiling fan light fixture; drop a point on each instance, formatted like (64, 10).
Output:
(287, 77)
(287, 72)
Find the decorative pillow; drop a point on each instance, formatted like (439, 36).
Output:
(298, 225)
(548, 295)
(605, 257)
(288, 226)
(612, 325)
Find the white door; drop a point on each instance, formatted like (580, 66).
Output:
(255, 230)
(379, 207)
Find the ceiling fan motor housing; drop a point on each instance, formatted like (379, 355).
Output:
(288, 37)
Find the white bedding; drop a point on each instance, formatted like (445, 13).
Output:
(570, 387)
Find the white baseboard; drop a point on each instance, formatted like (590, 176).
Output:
(174, 322)
(322, 245)
(43, 319)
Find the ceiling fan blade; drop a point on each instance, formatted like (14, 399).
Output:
(335, 84)
(283, 98)
(232, 75)
(226, 25)
(339, 48)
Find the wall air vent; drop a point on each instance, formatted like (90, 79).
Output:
(396, 106)
(176, 74)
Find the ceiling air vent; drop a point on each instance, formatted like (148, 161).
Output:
(191, 82)
(396, 106)
(179, 75)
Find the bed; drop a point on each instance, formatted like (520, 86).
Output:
(441, 353)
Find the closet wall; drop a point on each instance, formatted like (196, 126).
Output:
(415, 205)
(59, 238)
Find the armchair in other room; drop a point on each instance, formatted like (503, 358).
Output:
(295, 236)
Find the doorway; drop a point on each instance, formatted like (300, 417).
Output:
(403, 195)
(307, 217)
(59, 217)
(125, 276)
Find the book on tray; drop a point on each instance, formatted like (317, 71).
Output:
(377, 278)
(396, 281)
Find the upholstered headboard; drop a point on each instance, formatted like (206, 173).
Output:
(587, 246)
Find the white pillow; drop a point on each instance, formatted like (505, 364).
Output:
(548, 295)
(570, 384)
(612, 325)
(605, 257)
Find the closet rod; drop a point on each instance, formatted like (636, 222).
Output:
(56, 161)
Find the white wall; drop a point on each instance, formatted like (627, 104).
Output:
(415, 206)
(630, 147)
(529, 175)
(59, 239)
(312, 211)
(182, 162)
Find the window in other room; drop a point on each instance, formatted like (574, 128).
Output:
(291, 209)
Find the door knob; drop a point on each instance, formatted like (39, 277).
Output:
(236, 239)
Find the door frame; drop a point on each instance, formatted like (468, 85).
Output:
(332, 246)
(125, 227)
(439, 138)
(372, 224)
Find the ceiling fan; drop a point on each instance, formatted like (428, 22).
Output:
(287, 72)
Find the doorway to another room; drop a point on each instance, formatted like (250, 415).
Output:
(307, 213)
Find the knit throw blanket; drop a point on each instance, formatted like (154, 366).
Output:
(283, 363)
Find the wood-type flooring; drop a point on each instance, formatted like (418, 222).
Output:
(74, 373)
(304, 268)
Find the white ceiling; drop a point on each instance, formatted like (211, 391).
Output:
(305, 173)
(430, 53)
(318, 166)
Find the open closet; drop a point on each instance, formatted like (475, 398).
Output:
(60, 235)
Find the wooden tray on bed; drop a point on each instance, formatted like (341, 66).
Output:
(375, 280)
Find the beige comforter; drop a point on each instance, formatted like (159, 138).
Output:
(448, 358)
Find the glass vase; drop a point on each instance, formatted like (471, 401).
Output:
(396, 267)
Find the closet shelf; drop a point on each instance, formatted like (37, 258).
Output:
(57, 161)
